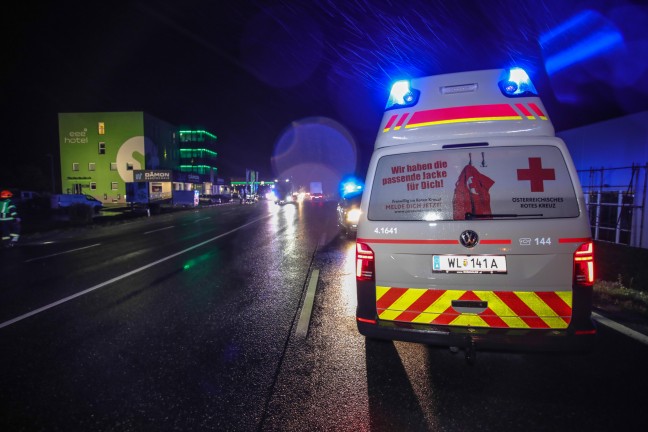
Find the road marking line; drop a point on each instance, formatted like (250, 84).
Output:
(202, 219)
(621, 328)
(160, 229)
(62, 253)
(125, 275)
(307, 308)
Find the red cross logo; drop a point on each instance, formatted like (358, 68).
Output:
(536, 174)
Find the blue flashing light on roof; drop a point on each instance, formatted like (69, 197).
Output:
(402, 95)
(516, 83)
(350, 187)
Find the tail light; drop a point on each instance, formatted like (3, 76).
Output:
(365, 264)
(584, 265)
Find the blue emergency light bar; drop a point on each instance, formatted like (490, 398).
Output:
(402, 95)
(516, 83)
(350, 186)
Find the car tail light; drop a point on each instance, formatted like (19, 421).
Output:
(584, 264)
(365, 265)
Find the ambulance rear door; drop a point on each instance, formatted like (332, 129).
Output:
(475, 233)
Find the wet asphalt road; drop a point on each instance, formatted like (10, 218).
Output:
(186, 321)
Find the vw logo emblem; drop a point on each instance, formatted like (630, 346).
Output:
(469, 238)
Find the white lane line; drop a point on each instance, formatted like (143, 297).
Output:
(621, 328)
(123, 276)
(202, 219)
(160, 229)
(62, 253)
(307, 308)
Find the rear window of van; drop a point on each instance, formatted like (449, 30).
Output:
(530, 181)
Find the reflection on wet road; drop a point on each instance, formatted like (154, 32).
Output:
(194, 328)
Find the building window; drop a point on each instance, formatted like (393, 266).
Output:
(129, 166)
(113, 185)
(101, 128)
(91, 166)
(93, 185)
(75, 166)
(102, 148)
(113, 166)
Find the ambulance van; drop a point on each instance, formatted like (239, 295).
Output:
(473, 230)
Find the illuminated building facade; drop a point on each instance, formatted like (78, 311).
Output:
(197, 166)
(100, 152)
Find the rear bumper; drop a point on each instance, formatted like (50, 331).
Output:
(352, 228)
(579, 336)
(483, 338)
(349, 229)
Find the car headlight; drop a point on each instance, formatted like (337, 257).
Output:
(353, 216)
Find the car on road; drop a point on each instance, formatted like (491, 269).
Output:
(63, 201)
(286, 199)
(348, 214)
(214, 199)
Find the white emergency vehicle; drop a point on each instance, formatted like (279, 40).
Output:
(473, 230)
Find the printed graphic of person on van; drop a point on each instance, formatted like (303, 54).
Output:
(471, 194)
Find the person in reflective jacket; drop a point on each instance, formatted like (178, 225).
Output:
(9, 219)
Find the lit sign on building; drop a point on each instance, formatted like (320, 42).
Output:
(151, 175)
(78, 137)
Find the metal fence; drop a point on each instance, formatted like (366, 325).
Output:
(616, 199)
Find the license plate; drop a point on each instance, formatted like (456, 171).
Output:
(469, 264)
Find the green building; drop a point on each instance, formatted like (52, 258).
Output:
(100, 151)
(197, 163)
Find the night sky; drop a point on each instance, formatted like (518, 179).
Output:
(263, 74)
